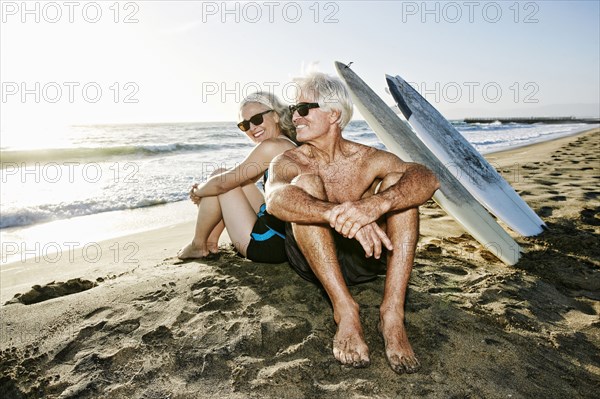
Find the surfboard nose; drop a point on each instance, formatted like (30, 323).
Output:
(340, 66)
(393, 85)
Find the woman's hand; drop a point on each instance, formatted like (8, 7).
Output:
(195, 198)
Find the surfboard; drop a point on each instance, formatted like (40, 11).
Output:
(399, 138)
(474, 172)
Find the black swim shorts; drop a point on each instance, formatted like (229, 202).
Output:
(356, 268)
(267, 244)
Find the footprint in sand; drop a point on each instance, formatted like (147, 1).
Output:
(591, 216)
(166, 293)
(78, 343)
(527, 166)
(545, 211)
(158, 337)
(545, 182)
(52, 290)
(558, 198)
(432, 249)
(101, 312)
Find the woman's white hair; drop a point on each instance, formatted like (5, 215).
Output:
(330, 92)
(271, 101)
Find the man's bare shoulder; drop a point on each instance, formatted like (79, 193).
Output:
(383, 162)
(372, 154)
(297, 155)
(384, 155)
(293, 155)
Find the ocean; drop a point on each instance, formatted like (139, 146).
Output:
(101, 181)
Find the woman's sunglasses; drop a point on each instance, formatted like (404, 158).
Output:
(255, 120)
(303, 108)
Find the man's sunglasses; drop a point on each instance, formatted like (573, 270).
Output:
(303, 108)
(255, 120)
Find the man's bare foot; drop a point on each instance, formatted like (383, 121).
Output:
(398, 351)
(349, 346)
(192, 251)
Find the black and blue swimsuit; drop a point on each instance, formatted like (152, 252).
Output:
(267, 240)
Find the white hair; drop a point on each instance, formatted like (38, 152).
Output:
(271, 101)
(329, 91)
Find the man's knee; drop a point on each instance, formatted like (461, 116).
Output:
(312, 184)
(388, 181)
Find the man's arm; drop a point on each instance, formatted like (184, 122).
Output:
(414, 185)
(289, 202)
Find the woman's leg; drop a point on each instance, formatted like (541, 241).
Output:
(254, 196)
(209, 226)
(208, 229)
(239, 207)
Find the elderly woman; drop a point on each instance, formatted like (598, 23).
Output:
(230, 198)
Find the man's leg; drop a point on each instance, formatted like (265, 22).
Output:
(317, 245)
(403, 231)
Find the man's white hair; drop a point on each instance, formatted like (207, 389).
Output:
(330, 92)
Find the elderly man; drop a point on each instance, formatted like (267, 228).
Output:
(345, 204)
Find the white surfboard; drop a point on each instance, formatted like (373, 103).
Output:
(475, 173)
(399, 138)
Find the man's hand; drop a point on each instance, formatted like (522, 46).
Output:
(371, 237)
(349, 217)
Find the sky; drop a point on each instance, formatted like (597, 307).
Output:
(86, 62)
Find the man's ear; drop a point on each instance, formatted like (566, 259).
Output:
(334, 116)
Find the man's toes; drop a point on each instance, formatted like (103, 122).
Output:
(359, 360)
(342, 356)
(338, 355)
(351, 358)
(411, 365)
(361, 363)
(402, 364)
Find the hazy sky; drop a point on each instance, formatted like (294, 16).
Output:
(152, 61)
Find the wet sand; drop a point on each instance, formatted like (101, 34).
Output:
(136, 322)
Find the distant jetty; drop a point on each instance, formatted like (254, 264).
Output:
(534, 119)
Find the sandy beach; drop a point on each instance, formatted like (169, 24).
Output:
(126, 319)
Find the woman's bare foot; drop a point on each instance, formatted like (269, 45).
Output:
(192, 251)
(398, 351)
(349, 346)
(213, 247)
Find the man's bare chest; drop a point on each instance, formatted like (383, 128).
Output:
(345, 181)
